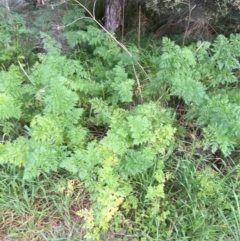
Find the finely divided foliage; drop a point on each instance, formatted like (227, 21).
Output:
(51, 112)
(196, 74)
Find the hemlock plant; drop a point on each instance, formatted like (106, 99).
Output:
(49, 112)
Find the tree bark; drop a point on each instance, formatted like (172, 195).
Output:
(113, 14)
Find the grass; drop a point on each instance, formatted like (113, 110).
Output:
(201, 201)
(231, 216)
(202, 204)
(43, 209)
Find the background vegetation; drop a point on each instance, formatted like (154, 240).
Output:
(132, 135)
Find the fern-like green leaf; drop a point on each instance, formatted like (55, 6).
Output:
(15, 152)
(59, 99)
(9, 107)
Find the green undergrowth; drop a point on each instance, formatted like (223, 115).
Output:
(101, 142)
(41, 209)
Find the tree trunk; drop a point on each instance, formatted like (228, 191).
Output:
(113, 14)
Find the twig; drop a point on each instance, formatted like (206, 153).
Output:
(64, 26)
(57, 4)
(25, 73)
(139, 28)
(127, 235)
(131, 236)
(112, 37)
(94, 7)
(123, 19)
(200, 46)
(138, 83)
(189, 17)
(3, 138)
